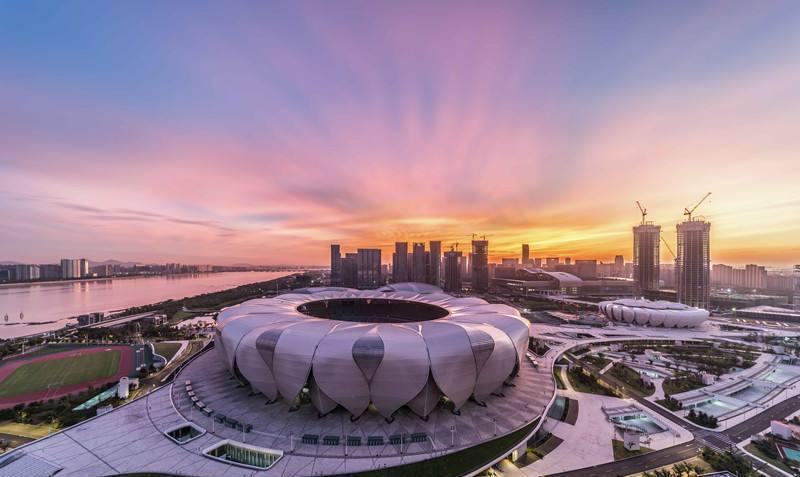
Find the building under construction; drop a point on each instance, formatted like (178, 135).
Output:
(646, 253)
(479, 261)
(796, 297)
(693, 265)
(452, 271)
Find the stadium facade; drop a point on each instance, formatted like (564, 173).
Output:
(407, 344)
(653, 313)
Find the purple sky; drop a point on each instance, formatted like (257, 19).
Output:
(261, 132)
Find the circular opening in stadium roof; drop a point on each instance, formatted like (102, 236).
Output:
(372, 310)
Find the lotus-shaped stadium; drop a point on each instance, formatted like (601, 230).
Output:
(407, 344)
(653, 313)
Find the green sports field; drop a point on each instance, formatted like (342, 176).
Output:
(43, 375)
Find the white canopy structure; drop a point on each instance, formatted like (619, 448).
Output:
(403, 345)
(653, 313)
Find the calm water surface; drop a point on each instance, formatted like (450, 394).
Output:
(59, 301)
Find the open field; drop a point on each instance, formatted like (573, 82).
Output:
(166, 349)
(42, 375)
(25, 430)
(53, 375)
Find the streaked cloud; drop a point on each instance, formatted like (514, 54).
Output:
(262, 134)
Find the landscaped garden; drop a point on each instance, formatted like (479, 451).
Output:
(682, 382)
(702, 419)
(584, 382)
(631, 378)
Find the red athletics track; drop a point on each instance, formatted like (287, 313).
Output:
(125, 367)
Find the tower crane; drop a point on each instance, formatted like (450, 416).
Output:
(689, 212)
(669, 248)
(642, 210)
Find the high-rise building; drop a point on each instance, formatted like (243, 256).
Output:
(23, 273)
(452, 271)
(83, 267)
(796, 297)
(586, 269)
(435, 258)
(646, 257)
(418, 264)
(693, 266)
(755, 276)
(567, 261)
(551, 262)
(368, 268)
(722, 274)
(509, 262)
(400, 262)
(50, 271)
(480, 266)
(619, 266)
(336, 265)
(537, 262)
(526, 255)
(350, 270)
(71, 268)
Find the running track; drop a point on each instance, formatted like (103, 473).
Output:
(8, 367)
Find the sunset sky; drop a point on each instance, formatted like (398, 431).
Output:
(261, 132)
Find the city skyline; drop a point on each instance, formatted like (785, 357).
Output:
(262, 135)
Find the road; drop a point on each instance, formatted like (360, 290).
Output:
(724, 440)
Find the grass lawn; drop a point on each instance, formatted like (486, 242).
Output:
(681, 384)
(167, 350)
(587, 384)
(181, 315)
(631, 377)
(620, 452)
(26, 430)
(40, 376)
(751, 448)
(596, 361)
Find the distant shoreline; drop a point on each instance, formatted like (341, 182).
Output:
(126, 277)
(67, 320)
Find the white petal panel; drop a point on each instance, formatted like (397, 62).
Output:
(452, 361)
(253, 367)
(336, 371)
(499, 366)
(294, 352)
(403, 371)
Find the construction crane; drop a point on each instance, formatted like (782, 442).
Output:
(643, 210)
(669, 248)
(689, 212)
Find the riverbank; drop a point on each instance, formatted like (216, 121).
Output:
(128, 277)
(54, 306)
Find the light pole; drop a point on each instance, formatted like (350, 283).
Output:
(452, 436)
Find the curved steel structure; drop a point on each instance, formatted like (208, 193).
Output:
(653, 313)
(406, 344)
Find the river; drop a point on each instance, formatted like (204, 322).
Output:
(57, 301)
